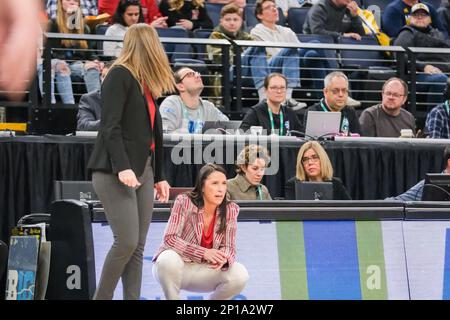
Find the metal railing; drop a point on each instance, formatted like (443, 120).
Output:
(402, 63)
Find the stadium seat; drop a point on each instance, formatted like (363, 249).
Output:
(201, 48)
(322, 38)
(296, 18)
(176, 51)
(213, 10)
(370, 66)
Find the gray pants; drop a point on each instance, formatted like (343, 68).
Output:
(129, 213)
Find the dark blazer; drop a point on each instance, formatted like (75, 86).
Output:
(125, 134)
(339, 191)
(258, 115)
(89, 111)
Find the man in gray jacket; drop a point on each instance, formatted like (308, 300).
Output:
(335, 18)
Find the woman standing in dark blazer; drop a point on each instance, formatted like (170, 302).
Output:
(313, 164)
(127, 160)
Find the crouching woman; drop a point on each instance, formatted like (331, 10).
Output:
(199, 246)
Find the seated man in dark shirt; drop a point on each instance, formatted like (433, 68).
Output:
(270, 114)
(89, 108)
(335, 99)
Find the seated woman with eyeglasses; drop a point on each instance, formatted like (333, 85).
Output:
(313, 164)
(271, 114)
(251, 164)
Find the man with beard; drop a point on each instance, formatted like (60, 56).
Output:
(388, 118)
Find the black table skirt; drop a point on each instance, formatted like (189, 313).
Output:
(29, 166)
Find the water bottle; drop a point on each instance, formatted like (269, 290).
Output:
(345, 126)
(288, 129)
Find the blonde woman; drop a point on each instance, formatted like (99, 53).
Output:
(313, 164)
(76, 58)
(127, 160)
(189, 15)
(251, 164)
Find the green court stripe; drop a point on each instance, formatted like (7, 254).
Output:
(291, 258)
(371, 260)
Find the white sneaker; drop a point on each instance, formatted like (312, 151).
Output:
(353, 103)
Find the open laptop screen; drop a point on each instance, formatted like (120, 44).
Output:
(320, 124)
(307, 190)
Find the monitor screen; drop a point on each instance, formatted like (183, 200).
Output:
(436, 187)
(307, 190)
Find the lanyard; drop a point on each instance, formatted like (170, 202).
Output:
(447, 108)
(273, 124)
(186, 114)
(344, 118)
(259, 190)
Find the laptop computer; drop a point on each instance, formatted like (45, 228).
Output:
(221, 127)
(320, 124)
(308, 190)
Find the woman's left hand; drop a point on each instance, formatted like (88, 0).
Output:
(162, 191)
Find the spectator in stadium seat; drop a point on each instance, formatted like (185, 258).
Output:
(229, 29)
(335, 18)
(416, 191)
(313, 164)
(398, 14)
(431, 68)
(271, 114)
(189, 15)
(88, 8)
(335, 100)
(82, 61)
(187, 111)
(89, 108)
(288, 61)
(251, 164)
(19, 36)
(128, 12)
(198, 252)
(150, 11)
(59, 72)
(127, 162)
(388, 118)
(437, 124)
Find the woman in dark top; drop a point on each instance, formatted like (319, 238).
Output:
(77, 55)
(127, 160)
(313, 164)
(190, 15)
(270, 113)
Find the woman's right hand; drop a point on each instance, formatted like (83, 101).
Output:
(214, 256)
(128, 178)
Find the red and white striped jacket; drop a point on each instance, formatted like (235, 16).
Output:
(184, 231)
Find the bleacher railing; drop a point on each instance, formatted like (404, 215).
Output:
(402, 64)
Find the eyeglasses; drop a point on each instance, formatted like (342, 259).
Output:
(270, 7)
(420, 15)
(189, 74)
(337, 91)
(393, 94)
(275, 88)
(313, 158)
